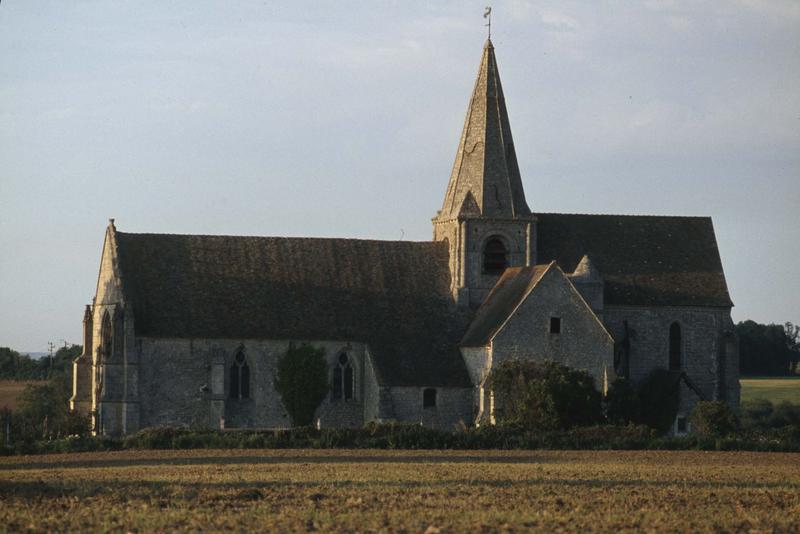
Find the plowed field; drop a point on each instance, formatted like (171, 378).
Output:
(412, 491)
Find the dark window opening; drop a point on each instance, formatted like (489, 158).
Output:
(240, 377)
(337, 383)
(348, 383)
(555, 325)
(106, 337)
(675, 347)
(343, 379)
(119, 334)
(429, 398)
(494, 257)
(682, 426)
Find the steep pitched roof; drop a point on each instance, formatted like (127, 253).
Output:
(512, 287)
(395, 296)
(486, 163)
(644, 260)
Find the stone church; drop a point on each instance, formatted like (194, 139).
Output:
(186, 330)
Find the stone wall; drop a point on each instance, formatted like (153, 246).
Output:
(453, 407)
(706, 357)
(186, 382)
(583, 343)
(466, 240)
(180, 382)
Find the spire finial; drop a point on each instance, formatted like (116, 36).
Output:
(487, 14)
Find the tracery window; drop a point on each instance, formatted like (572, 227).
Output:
(240, 377)
(675, 347)
(494, 256)
(343, 381)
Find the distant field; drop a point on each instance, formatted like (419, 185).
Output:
(771, 389)
(401, 491)
(10, 390)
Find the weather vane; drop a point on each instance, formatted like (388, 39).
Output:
(488, 15)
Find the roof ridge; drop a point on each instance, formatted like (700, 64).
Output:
(308, 238)
(626, 215)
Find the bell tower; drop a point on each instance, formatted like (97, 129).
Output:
(484, 217)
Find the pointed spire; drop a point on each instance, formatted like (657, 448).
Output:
(486, 163)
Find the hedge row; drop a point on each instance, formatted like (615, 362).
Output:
(399, 436)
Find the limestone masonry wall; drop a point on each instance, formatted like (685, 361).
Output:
(704, 349)
(583, 343)
(177, 379)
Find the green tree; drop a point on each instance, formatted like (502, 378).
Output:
(767, 349)
(793, 340)
(302, 382)
(62, 360)
(43, 412)
(544, 396)
(622, 403)
(659, 399)
(16, 366)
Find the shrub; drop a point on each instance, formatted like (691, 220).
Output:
(785, 414)
(43, 412)
(154, 438)
(756, 414)
(622, 403)
(302, 382)
(659, 397)
(762, 415)
(713, 419)
(544, 396)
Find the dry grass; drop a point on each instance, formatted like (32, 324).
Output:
(10, 390)
(338, 490)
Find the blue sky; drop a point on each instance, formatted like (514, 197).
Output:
(342, 119)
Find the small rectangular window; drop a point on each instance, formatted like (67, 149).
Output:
(555, 325)
(429, 398)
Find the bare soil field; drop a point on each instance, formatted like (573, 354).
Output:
(400, 491)
(10, 390)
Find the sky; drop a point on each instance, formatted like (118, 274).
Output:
(341, 119)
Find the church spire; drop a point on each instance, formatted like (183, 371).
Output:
(485, 171)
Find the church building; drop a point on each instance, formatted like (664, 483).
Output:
(187, 330)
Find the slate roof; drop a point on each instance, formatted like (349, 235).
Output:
(395, 296)
(511, 289)
(644, 260)
(485, 176)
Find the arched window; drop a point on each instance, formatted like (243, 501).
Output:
(494, 256)
(675, 347)
(343, 383)
(240, 377)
